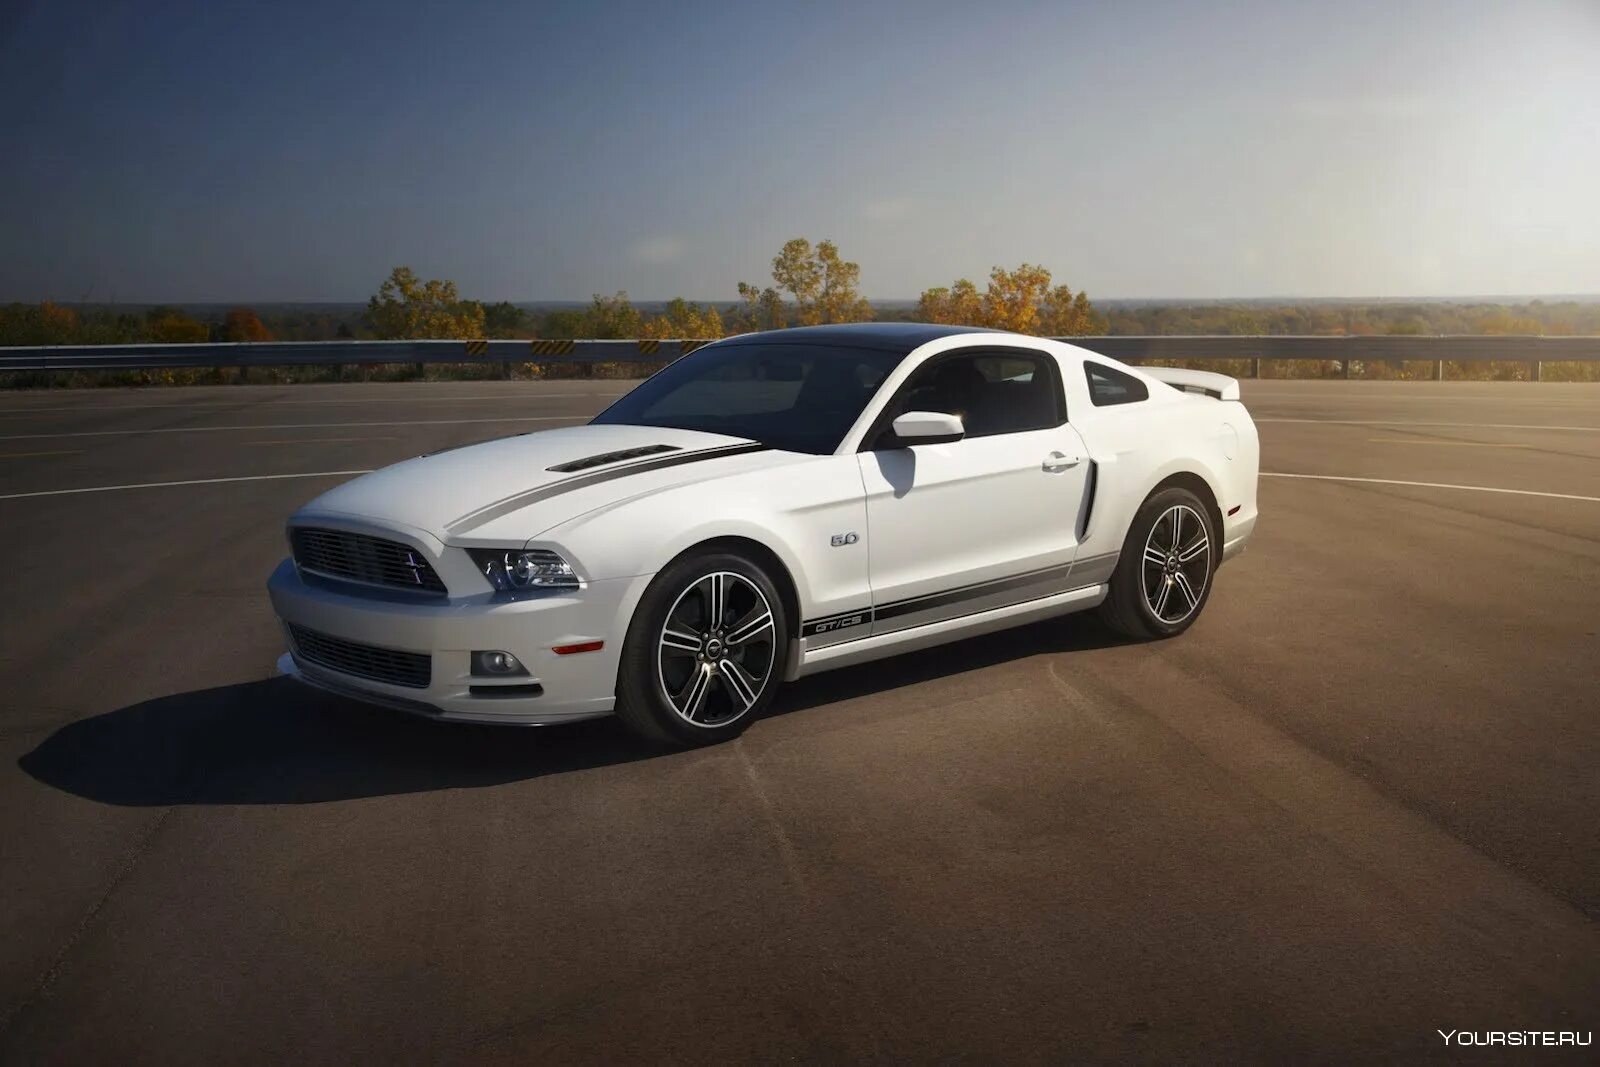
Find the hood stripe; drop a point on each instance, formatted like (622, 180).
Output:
(566, 485)
(605, 459)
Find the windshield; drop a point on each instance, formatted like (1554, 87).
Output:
(797, 397)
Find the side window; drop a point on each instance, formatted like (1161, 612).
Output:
(992, 392)
(1108, 386)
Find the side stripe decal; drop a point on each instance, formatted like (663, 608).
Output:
(929, 601)
(967, 592)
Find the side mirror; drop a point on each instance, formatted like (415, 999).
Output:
(927, 428)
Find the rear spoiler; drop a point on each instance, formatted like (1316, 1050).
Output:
(1196, 381)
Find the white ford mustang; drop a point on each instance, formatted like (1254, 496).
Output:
(771, 506)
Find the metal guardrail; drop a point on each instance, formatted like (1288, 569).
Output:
(1345, 350)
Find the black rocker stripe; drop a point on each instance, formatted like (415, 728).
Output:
(927, 601)
(967, 592)
(583, 481)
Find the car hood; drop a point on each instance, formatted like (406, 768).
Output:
(506, 490)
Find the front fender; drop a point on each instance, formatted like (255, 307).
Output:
(794, 514)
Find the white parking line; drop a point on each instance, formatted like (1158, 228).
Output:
(192, 481)
(352, 473)
(1430, 485)
(292, 426)
(460, 398)
(1404, 398)
(1408, 422)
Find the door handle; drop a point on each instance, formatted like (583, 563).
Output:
(1059, 461)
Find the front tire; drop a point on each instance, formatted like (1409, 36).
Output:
(1163, 577)
(704, 652)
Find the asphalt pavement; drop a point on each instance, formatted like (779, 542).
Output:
(1356, 804)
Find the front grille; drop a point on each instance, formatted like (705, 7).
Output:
(359, 558)
(412, 669)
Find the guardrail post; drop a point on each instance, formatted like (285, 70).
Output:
(1347, 368)
(1438, 370)
(1255, 367)
(1535, 370)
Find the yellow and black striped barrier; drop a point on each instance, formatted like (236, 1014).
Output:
(686, 347)
(649, 347)
(552, 348)
(477, 348)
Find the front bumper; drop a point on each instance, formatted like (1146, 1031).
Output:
(577, 686)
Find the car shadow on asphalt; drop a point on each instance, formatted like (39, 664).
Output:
(278, 742)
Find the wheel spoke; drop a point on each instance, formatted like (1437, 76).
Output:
(693, 696)
(1177, 527)
(739, 684)
(1161, 603)
(716, 600)
(759, 621)
(679, 641)
(1181, 580)
(1155, 556)
(1199, 545)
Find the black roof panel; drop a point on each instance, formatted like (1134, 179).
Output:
(893, 336)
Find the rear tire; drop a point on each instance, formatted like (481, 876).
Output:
(704, 652)
(1163, 577)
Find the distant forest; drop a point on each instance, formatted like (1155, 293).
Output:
(67, 324)
(810, 284)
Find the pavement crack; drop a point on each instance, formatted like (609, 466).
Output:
(53, 970)
(786, 849)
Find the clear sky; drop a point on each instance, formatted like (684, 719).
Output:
(231, 151)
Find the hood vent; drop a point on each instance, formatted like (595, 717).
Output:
(610, 457)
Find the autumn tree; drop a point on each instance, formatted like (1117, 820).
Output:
(1068, 314)
(1013, 299)
(796, 271)
(42, 324)
(610, 317)
(170, 326)
(407, 307)
(840, 299)
(242, 324)
(1020, 300)
(823, 285)
(958, 305)
(505, 320)
(759, 309)
(683, 318)
(1506, 325)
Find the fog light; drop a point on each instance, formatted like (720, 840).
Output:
(503, 664)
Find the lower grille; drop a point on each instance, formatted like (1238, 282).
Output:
(412, 669)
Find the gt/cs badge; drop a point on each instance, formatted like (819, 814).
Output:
(840, 540)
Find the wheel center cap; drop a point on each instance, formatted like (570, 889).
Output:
(1172, 564)
(713, 647)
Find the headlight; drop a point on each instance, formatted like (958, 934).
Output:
(524, 570)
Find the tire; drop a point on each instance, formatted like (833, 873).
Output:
(1155, 591)
(684, 681)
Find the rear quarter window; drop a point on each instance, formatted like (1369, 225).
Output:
(1109, 386)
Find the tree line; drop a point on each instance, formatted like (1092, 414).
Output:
(810, 285)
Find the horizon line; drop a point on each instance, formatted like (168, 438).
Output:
(1285, 298)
